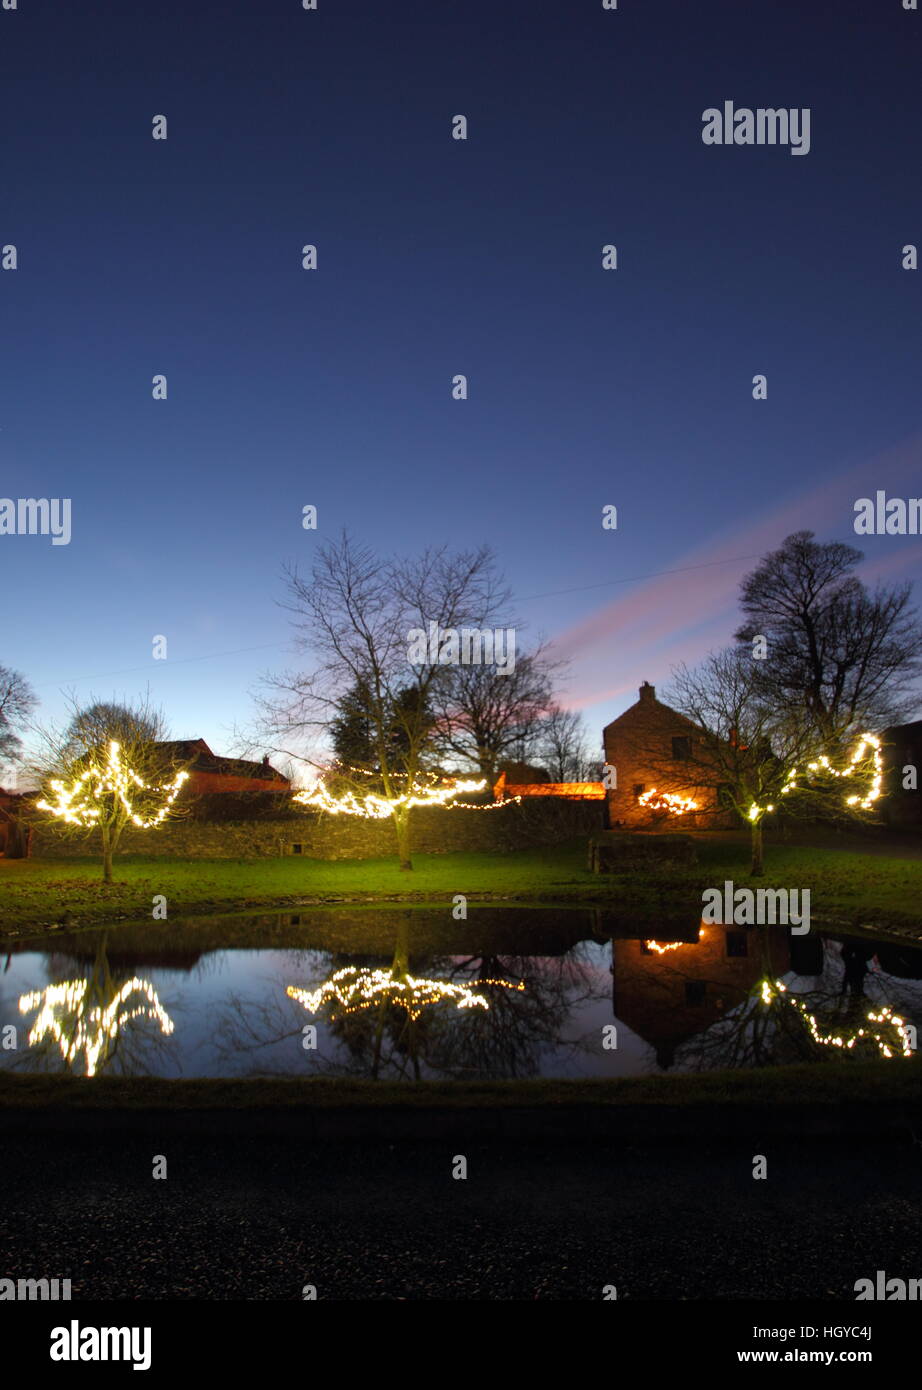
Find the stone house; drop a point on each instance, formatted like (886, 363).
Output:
(659, 770)
(901, 750)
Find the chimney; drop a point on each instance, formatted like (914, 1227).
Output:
(647, 692)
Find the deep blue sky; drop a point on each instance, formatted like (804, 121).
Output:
(436, 257)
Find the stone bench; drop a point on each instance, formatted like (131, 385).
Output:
(617, 852)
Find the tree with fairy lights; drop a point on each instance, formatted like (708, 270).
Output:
(106, 771)
(366, 693)
(762, 755)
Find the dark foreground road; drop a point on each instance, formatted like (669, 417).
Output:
(260, 1218)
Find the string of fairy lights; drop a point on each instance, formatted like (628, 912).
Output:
(354, 989)
(823, 765)
(95, 1027)
(773, 991)
(375, 806)
(676, 805)
(80, 803)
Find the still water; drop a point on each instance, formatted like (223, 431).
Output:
(412, 994)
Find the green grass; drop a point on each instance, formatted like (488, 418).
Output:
(846, 885)
(34, 891)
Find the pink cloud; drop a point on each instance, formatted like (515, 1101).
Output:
(672, 618)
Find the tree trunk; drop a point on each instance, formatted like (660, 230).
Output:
(16, 844)
(106, 855)
(756, 867)
(402, 827)
(111, 834)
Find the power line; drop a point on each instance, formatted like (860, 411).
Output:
(528, 598)
(636, 578)
(183, 661)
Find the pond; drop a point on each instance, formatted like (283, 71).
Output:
(394, 993)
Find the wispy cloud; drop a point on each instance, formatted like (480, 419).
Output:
(675, 618)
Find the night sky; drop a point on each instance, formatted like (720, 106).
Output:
(436, 256)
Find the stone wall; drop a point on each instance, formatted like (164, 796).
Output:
(275, 831)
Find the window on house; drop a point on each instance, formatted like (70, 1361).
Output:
(724, 795)
(681, 749)
(639, 789)
(694, 991)
(297, 849)
(737, 944)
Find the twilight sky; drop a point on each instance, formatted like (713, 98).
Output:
(437, 256)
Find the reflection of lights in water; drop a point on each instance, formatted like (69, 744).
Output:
(355, 989)
(98, 1026)
(667, 801)
(75, 804)
(661, 947)
(885, 1015)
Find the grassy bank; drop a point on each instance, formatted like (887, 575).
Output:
(846, 885)
(828, 1086)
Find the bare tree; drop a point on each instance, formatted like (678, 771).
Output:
(94, 726)
(17, 702)
(483, 718)
(562, 745)
(846, 656)
(355, 616)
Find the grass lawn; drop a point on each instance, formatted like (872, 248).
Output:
(832, 1085)
(845, 884)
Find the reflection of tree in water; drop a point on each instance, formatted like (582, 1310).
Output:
(243, 1026)
(485, 1016)
(86, 1020)
(775, 1025)
(507, 1042)
(387, 1020)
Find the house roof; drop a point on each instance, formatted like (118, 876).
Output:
(911, 730)
(640, 710)
(198, 757)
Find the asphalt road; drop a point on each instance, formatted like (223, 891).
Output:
(261, 1218)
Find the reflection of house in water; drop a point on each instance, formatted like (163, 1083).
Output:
(667, 996)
